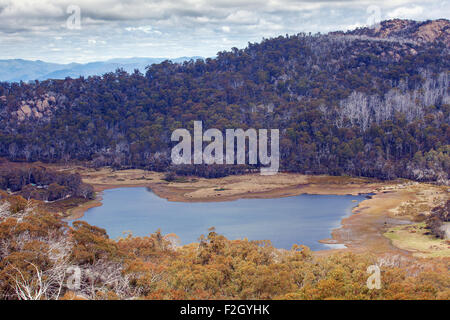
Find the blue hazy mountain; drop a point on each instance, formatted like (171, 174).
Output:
(15, 70)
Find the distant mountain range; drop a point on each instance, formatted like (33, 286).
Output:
(15, 70)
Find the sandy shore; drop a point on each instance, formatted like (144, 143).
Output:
(388, 208)
(194, 189)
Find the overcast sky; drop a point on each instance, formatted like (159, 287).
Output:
(50, 30)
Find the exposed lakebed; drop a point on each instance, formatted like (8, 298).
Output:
(303, 219)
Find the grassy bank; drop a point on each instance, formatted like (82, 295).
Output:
(416, 238)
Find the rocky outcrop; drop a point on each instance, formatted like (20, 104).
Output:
(433, 31)
(38, 108)
(420, 32)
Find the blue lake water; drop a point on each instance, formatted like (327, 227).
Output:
(303, 219)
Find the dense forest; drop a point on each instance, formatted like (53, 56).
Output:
(34, 182)
(358, 103)
(42, 257)
(438, 217)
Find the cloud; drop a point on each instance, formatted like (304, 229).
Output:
(414, 12)
(145, 29)
(173, 28)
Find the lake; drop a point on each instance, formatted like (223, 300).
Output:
(303, 219)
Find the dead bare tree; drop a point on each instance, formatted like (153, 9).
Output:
(362, 109)
(42, 284)
(106, 276)
(38, 283)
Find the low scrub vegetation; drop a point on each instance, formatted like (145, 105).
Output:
(42, 257)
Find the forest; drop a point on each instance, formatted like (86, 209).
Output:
(345, 104)
(42, 257)
(39, 183)
(438, 217)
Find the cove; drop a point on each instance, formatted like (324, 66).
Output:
(303, 219)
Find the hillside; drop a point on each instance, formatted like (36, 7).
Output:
(370, 102)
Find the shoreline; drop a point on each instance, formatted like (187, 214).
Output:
(177, 192)
(183, 192)
(361, 231)
(78, 212)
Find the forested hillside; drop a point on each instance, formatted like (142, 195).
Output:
(373, 102)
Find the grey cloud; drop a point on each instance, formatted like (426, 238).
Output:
(36, 29)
